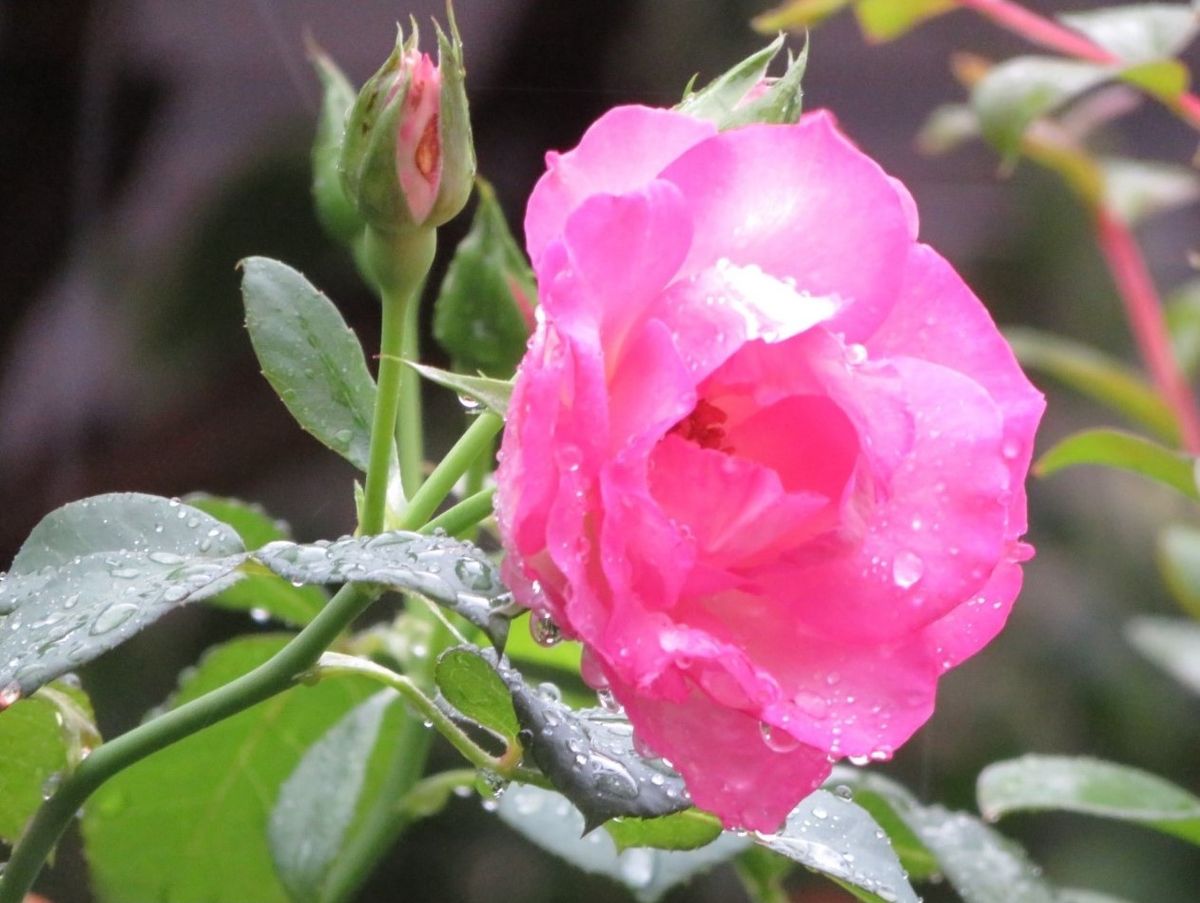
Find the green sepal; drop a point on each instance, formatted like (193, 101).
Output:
(454, 128)
(335, 210)
(723, 101)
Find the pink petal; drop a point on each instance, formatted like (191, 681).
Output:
(917, 540)
(799, 202)
(624, 149)
(973, 624)
(938, 318)
(723, 758)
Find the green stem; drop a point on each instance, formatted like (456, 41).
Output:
(479, 470)
(463, 516)
(399, 265)
(410, 427)
(466, 451)
(265, 681)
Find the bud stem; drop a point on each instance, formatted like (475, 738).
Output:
(398, 265)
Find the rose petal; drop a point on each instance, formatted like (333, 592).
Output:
(723, 758)
(799, 202)
(938, 318)
(625, 148)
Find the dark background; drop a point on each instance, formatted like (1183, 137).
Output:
(147, 145)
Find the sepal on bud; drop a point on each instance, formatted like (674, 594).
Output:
(744, 94)
(408, 161)
(335, 210)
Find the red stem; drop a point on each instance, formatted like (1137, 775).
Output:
(1039, 29)
(1145, 312)
(1048, 33)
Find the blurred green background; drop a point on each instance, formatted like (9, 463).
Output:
(147, 146)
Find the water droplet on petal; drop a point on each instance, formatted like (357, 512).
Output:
(543, 629)
(907, 569)
(777, 739)
(856, 354)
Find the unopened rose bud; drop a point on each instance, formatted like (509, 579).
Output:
(407, 160)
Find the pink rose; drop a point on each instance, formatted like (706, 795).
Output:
(766, 453)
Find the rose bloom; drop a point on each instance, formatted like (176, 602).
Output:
(765, 454)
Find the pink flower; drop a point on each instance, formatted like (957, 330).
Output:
(766, 453)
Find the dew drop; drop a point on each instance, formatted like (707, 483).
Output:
(470, 405)
(259, 615)
(907, 569)
(543, 629)
(637, 867)
(777, 739)
(856, 354)
(113, 617)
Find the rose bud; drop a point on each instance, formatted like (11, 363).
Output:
(407, 160)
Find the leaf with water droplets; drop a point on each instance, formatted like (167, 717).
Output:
(980, 863)
(833, 836)
(589, 755)
(884, 799)
(472, 686)
(202, 804)
(95, 572)
(310, 357)
(265, 595)
(314, 815)
(1089, 787)
(41, 740)
(493, 394)
(454, 574)
(549, 820)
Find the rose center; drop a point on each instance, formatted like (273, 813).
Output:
(705, 426)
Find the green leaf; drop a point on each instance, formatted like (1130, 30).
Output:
(310, 357)
(885, 20)
(1138, 33)
(1018, 91)
(1137, 189)
(95, 572)
(834, 837)
(981, 864)
(1089, 787)
(264, 595)
(484, 310)
(1164, 79)
(202, 805)
(1097, 376)
(493, 394)
(1183, 321)
(884, 799)
(1123, 451)
(315, 810)
(589, 755)
(454, 574)
(42, 739)
(472, 686)
(686, 830)
(797, 15)
(550, 821)
(1172, 644)
(1179, 561)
